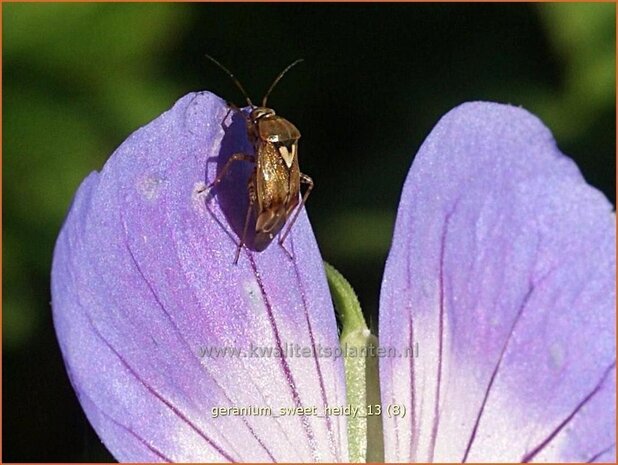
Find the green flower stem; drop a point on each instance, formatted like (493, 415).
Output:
(375, 436)
(359, 349)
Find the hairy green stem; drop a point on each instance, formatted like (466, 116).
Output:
(359, 349)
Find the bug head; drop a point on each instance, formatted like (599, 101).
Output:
(261, 112)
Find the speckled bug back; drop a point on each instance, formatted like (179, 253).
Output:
(274, 185)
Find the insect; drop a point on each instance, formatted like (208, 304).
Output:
(274, 185)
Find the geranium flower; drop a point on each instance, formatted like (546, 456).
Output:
(501, 273)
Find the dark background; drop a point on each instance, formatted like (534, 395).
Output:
(79, 78)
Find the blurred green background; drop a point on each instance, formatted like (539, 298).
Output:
(79, 78)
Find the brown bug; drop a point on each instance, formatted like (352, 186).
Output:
(274, 185)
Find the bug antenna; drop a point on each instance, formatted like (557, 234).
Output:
(236, 81)
(272, 86)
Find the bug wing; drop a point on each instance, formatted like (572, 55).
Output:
(273, 178)
(272, 185)
(294, 186)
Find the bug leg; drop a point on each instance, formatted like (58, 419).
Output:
(244, 233)
(230, 108)
(305, 180)
(234, 158)
(252, 200)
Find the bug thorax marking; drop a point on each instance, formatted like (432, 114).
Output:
(287, 152)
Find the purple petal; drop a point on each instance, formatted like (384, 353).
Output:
(502, 270)
(143, 283)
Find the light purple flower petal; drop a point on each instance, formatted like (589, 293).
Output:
(502, 269)
(144, 283)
